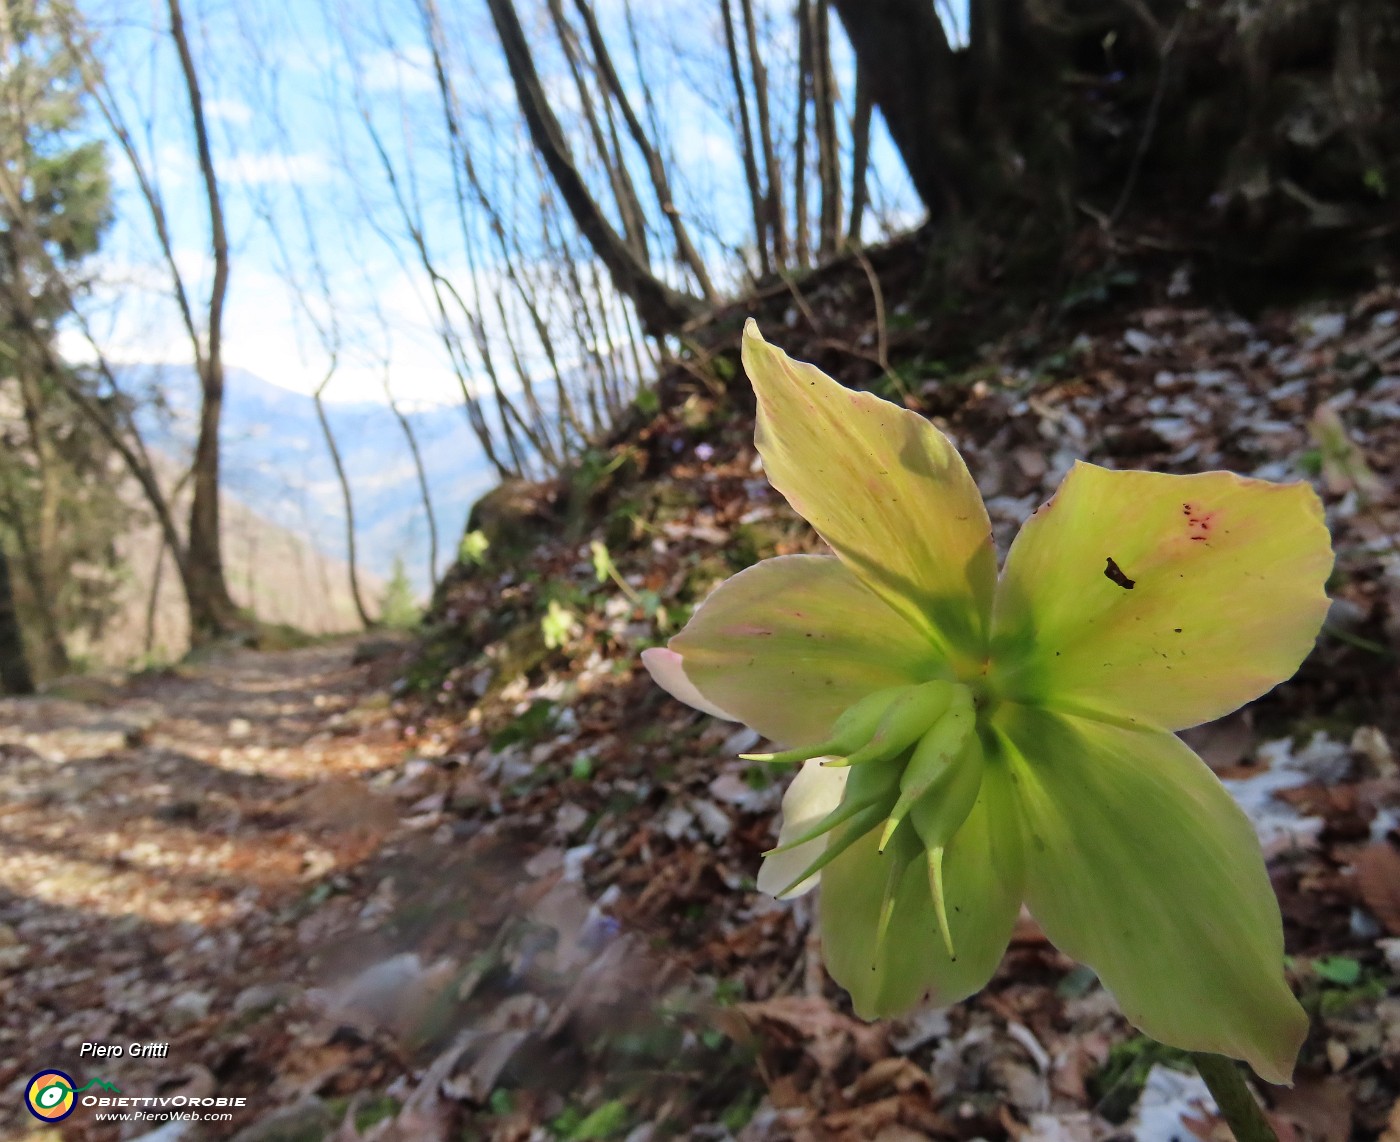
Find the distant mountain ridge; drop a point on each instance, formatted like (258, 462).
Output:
(275, 461)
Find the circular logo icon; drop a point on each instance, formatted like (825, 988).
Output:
(49, 1096)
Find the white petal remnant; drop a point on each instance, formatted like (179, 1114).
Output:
(815, 791)
(666, 671)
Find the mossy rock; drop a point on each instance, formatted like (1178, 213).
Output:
(516, 654)
(515, 516)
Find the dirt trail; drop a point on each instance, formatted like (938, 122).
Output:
(162, 846)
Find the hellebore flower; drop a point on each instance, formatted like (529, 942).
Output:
(973, 741)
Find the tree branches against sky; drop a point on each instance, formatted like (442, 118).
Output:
(329, 135)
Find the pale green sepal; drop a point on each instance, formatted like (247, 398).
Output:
(789, 644)
(941, 808)
(852, 729)
(898, 859)
(667, 670)
(938, 753)
(806, 844)
(982, 878)
(906, 720)
(934, 859)
(1140, 864)
(940, 813)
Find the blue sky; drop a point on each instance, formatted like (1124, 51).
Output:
(286, 84)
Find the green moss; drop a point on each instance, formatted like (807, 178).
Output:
(1309, 462)
(1340, 1000)
(517, 653)
(375, 1110)
(533, 725)
(1335, 985)
(737, 1115)
(606, 1121)
(283, 636)
(751, 542)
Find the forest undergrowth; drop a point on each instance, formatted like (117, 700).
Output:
(493, 883)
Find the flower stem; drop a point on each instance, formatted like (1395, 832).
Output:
(1237, 1105)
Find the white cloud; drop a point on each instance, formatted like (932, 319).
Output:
(408, 70)
(273, 168)
(231, 111)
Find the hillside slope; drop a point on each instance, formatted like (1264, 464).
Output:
(275, 460)
(502, 887)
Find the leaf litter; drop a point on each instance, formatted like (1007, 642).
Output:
(488, 888)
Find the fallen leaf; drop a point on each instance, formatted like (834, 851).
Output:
(1378, 882)
(1391, 1133)
(1319, 1107)
(894, 1073)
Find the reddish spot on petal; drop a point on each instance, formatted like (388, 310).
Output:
(1199, 522)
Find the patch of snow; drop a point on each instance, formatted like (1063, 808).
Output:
(1167, 1100)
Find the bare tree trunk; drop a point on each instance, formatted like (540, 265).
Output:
(758, 201)
(804, 96)
(50, 657)
(774, 198)
(661, 308)
(132, 451)
(153, 599)
(909, 66)
(565, 415)
(441, 287)
(860, 156)
(629, 206)
(566, 277)
(116, 427)
(824, 120)
(685, 248)
(346, 498)
(212, 611)
(39, 555)
(15, 677)
(412, 438)
(536, 432)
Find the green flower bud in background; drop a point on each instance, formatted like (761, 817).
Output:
(972, 741)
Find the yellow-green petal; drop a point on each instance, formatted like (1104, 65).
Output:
(884, 488)
(982, 890)
(788, 644)
(1159, 599)
(1140, 864)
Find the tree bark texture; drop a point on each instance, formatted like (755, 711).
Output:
(772, 168)
(824, 120)
(661, 308)
(758, 201)
(629, 206)
(799, 146)
(656, 168)
(860, 156)
(212, 610)
(352, 556)
(910, 68)
(15, 677)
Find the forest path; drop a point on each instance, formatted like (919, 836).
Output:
(165, 846)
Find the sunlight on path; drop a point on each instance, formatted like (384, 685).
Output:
(159, 839)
